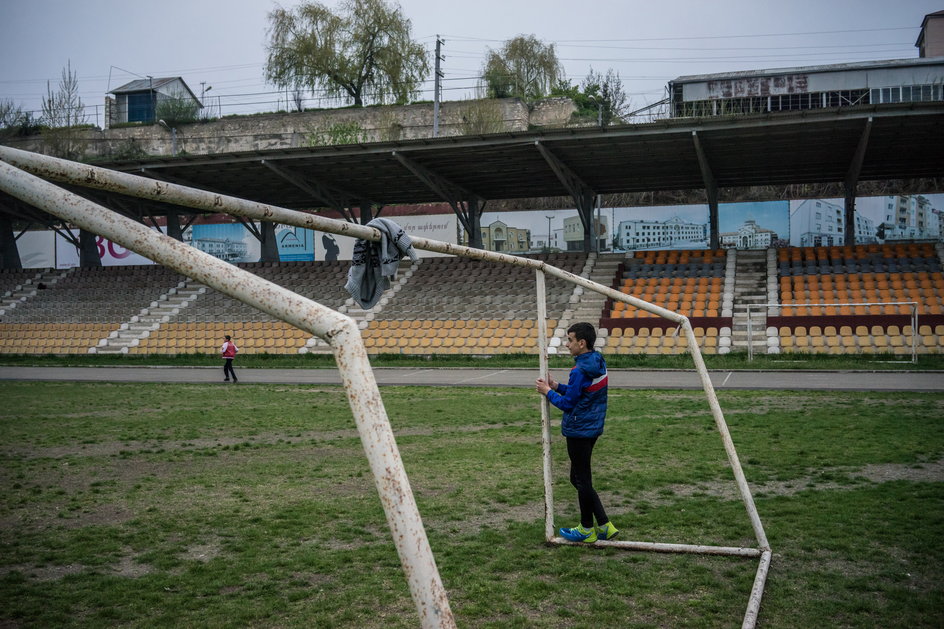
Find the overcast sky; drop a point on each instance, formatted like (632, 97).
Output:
(221, 44)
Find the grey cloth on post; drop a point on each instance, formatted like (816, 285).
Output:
(375, 263)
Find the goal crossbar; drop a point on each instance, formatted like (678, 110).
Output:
(24, 175)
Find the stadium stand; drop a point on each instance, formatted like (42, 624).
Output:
(80, 308)
(866, 274)
(691, 282)
(200, 326)
(455, 305)
(462, 306)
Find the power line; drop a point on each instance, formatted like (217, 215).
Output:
(689, 38)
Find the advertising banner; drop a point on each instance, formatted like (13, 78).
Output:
(110, 253)
(296, 244)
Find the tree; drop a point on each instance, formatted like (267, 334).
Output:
(14, 121)
(608, 94)
(363, 52)
(63, 115)
(599, 100)
(177, 109)
(524, 67)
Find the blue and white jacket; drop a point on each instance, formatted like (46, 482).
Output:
(583, 398)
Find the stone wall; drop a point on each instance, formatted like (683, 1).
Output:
(263, 132)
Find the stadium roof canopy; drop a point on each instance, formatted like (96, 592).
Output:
(884, 142)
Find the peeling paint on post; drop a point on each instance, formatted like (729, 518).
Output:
(400, 507)
(420, 570)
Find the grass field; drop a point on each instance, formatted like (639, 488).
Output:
(198, 505)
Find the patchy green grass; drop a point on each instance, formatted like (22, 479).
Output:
(166, 505)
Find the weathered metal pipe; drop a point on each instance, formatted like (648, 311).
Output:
(545, 408)
(757, 591)
(94, 177)
(340, 331)
(722, 426)
(660, 547)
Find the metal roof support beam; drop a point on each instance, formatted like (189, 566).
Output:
(160, 176)
(336, 199)
(9, 252)
(150, 172)
(467, 205)
(582, 193)
(711, 192)
(852, 183)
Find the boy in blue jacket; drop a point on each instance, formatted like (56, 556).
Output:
(583, 400)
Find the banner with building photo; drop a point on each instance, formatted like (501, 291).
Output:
(230, 242)
(616, 229)
(886, 219)
(659, 227)
(754, 225)
(525, 231)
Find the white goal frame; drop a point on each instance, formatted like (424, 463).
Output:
(24, 175)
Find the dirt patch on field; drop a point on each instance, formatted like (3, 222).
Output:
(115, 448)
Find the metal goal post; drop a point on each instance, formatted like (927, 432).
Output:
(23, 175)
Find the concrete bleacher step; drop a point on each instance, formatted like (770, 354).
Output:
(750, 287)
(405, 272)
(140, 326)
(28, 289)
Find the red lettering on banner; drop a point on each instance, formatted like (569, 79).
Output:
(111, 249)
(116, 251)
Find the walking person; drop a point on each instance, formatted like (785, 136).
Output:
(229, 350)
(583, 401)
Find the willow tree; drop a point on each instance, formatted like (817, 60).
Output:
(524, 67)
(363, 51)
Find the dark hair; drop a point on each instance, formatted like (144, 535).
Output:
(226, 336)
(584, 332)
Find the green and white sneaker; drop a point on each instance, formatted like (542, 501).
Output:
(607, 531)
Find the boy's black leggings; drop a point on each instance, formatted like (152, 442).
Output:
(228, 369)
(580, 449)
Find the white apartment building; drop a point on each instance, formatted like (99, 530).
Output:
(911, 217)
(818, 223)
(660, 234)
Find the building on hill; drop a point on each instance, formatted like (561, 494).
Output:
(810, 87)
(139, 100)
(818, 87)
(931, 39)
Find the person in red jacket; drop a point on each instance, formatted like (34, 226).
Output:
(229, 350)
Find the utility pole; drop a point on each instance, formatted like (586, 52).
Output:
(437, 89)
